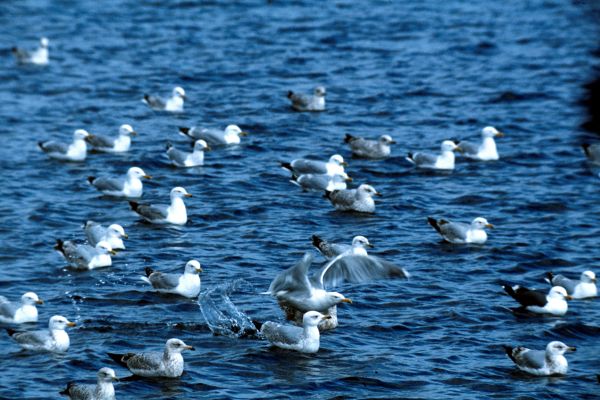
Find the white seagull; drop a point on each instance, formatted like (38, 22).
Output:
(114, 234)
(584, 288)
(53, 339)
(304, 340)
(175, 213)
(120, 144)
(12, 313)
(186, 284)
(184, 159)
(172, 104)
(84, 256)
(214, 137)
(458, 232)
(75, 151)
(102, 390)
(486, 150)
(335, 166)
(443, 161)
(303, 102)
(540, 362)
(129, 185)
(37, 57)
(538, 302)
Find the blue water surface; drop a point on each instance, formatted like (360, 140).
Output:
(419, 71)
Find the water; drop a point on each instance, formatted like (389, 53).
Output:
(420, 72)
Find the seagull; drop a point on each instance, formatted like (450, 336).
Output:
(486, 150)
(53, 339)
(168, 364)
(332, 250)
(304, 340)
(37, 57)
(214, 137)
(186, 284)
(592, 152)
(11, 313)
(584, 288)
(459, 233)
(165, 214)
(172, 104)
(320, 182)
(538, 302)
(540, 362)
(129, 185)
(103, 390)
(443, 161)
(76, 151)
(370, 148)
(183, 159)
(335, 166)
(96, 233)
(120, 144)
(315, 102)
(84, 256)
(359, 200)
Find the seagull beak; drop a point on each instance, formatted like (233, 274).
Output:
(112, 252)
(349, 179)
(489, 226)
(567, 297)
(393, 142)
(126, 236)
(370, 245)
(40, 301)
(147, 176)
(571, 348)
(594, 280)
(499, 134)
(114, 378)
(378, 194)
(90, 136)
(71, 324)
(207, 148)
(457, 148)
(189, 347)
(344, 164)
(346, 300)
(199, 269)
(188, 195)
(133, 133)
(243, 133)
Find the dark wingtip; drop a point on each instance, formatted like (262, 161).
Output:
(146, 97)
(66, 391)
(509, 351)
(327, 194)
(290, 94)
(59, 246)
(257, 324)
(348, 138)
(41, 145)
(287, 165)
(10, 332)
(316, 241)
(184, 130)
(168, 145)
(549, 276)
(148, 271)
(14, 49)
(134, 206)
(508, 289)
(410, 155)
(118, 358)
(91, 179)
(586, 148)
(433, 222)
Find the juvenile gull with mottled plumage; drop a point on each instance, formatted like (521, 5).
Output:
(102, 390)
(305, 102)
(540, 362)
(359, 199)
(366, 148)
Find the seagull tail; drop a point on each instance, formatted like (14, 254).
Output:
(10, 332)
(287, 166)
(349, 138)
(410, 159)
(509, 352)
(41, 145)
(184, 131)
(586, 148)
(148, 271)
(134, 206)
(119, 358)
(549, 277)
(59, 246)
(168, 146)
(433, 222)
(91, 179)
(327, 194)
(66, 391)
(509, 290)
(290, 94)
(317, 242)
(146, 99)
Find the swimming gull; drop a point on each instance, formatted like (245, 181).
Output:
(102, 390)
(538, 302)
(459, 233)
(320, 182)
(120, 144)
(186, 284)
(359, 199)
(367, 148)
(11, 313)
(175, 213)
(53, 339)
(592, 152)
(97, 233)
(172, 104)
(314, 102)
(84, 256)
(168, 364)
(304, 340)
(541, 362)
(214, 137)
(584, 288)
(184, 159)
(486, 150)
(75, 151)
(443, 161)
(129, 185)
(37, 57)
(335, 166)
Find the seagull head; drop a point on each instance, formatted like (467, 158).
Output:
(588, 277)
(337, 298)
(481, 223)
(80, 134)
(320, 91)
(234, 130)
(179, 192)
(313, 318)
(558, 292)
(193, 267)
(58, 322)
(490, 131)
(179, 92)
(126, 130)
(338, 160)
(557, 348)
(201, 145)
(107, 375)
(177, 346)
(105, 247)
(386, 139)
(137, 173)
(448, 145)
(368, 189)
(117, 230)
(361, 241)
(30, 299)
(44, 42)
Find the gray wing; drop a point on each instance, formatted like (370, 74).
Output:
(145, 362)
(154, 102)
(21, 55)
(314, 181)
(78, 253)
(109, 184)
(211, 136)
(365, 147)
(424, 158)
(453, 231)
(34, 338)
(78, 391)
(293, 279)
(300, 101)
(164, 281)
(592, 152)
(303, 166)
(101, 141)
(177, 156)
(54, 147)
(469, 147)
(568, 284)
(7, 309)
(151, 212)
(344, 198)
(278, 333)
(534, 359)
(357, 269)
(94, 232)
